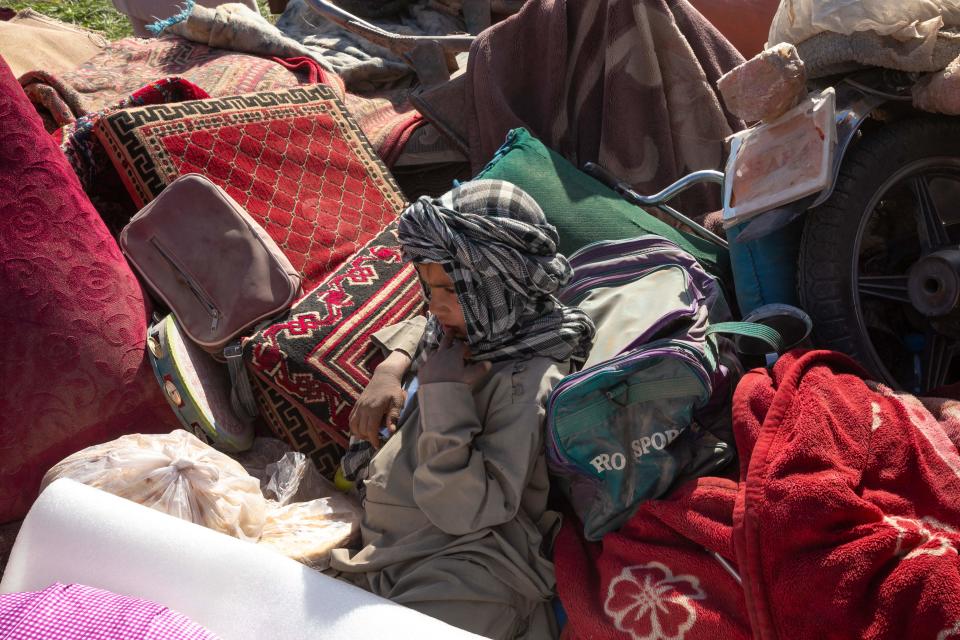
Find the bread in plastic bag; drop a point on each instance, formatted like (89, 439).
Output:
(308, 531)
(174, 473)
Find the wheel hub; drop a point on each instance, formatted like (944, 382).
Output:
(934, 283)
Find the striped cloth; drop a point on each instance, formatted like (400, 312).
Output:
(495, 243)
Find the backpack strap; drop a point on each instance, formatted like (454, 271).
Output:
(769, 335)
(241, 392)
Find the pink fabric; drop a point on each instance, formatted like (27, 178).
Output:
(69, 612)
(845, 523)
(73, 318)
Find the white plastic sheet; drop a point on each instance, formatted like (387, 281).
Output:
(905, 20)
(238, 590)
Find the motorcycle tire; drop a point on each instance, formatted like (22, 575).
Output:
(828, 261)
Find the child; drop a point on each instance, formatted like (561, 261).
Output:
(455, 520)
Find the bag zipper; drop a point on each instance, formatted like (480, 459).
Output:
(604, 249)
(588, 272)
(611, 277)
(191, 283)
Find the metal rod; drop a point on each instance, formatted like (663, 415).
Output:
(660, 199)
(698, 229)
(726, 565)
(684, 183)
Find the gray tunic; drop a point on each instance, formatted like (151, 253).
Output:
(455, 513)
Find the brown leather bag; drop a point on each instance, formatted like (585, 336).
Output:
(214, 266)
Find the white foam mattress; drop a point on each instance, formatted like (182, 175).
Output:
(77, 534)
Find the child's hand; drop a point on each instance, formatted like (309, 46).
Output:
(447, 364)
(380, 402)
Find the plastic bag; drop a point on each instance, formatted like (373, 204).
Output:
(294, 478)
(174, 473)
(798, 20)
(285, 475)
(261, 454)
(308, 531)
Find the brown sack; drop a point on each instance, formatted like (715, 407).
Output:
(939, 92)
(31, 41)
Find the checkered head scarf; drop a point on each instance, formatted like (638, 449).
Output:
(495, 243)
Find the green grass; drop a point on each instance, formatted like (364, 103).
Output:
(99, 15)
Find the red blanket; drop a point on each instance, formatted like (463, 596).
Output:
(663, 575)
(843, 524)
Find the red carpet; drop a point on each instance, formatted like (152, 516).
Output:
(294, 159)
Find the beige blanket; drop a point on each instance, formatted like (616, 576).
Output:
(31, 40)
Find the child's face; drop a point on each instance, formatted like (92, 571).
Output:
(442, 298)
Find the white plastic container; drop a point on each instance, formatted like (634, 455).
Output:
(781, 161)
(236, 589)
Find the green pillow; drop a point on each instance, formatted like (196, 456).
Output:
(582, 209)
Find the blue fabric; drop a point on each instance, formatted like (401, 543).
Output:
(765, 269)
(560, 613)
(412, 387)
(156, 28)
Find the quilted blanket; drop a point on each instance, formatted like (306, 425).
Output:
(844, 523)
(384, 113)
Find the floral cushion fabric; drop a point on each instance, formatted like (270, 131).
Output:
(73, 317)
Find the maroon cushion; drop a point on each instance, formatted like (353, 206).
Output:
(73, 370)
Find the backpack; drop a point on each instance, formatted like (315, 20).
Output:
(650, 407)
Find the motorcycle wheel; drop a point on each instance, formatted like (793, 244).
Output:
(879, 267)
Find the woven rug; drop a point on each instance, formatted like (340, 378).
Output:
(294, 159)
(129, 64)
(319, 356)
(89, 159)
(296, 426)
(388, 120)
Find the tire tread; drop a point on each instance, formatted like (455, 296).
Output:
(826, 248)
